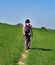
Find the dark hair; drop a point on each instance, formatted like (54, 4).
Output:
(27, 21)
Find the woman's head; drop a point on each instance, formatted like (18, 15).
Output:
(27, 21)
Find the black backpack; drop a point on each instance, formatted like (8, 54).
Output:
(27, 30)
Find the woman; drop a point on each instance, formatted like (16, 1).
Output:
(27, 33)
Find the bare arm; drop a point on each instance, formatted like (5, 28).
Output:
(31, 32)
(23, 30)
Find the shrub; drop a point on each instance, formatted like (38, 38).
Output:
(43, 28)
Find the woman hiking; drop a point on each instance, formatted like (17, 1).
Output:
(27, 33)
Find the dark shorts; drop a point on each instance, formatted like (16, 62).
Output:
(27, 38)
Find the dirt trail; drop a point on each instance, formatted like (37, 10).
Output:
(23, 57)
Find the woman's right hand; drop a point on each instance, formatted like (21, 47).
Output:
(24, 34)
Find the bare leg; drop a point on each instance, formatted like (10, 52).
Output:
(26, 43)
(29, 45)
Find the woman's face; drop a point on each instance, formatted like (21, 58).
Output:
(27, 23)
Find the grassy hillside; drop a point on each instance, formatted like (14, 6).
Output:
(42, 51)
(11, 44)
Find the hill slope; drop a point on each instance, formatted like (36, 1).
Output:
(42, 51)
(11, 44)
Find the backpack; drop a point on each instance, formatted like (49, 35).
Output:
(27, 30)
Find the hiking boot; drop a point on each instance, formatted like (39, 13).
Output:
(28, 47)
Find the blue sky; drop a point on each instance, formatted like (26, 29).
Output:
(40, 12)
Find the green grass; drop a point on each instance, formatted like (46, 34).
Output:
(11, 44)
(42, 50)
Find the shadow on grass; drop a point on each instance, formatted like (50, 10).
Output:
(43, 49)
